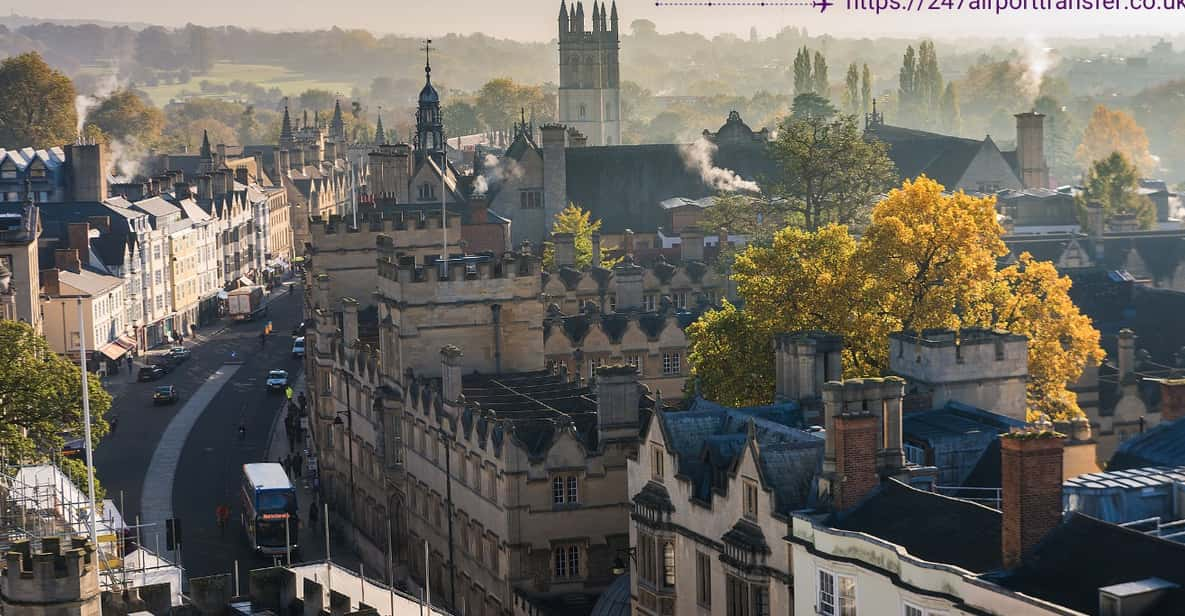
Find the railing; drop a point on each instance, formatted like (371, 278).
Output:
(989, 497)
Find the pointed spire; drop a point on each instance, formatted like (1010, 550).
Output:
(428, 61)
(613, 15)
(380, 136)
(304, 119)
(563, 14)
(206, 152)
(337, 127)
(596, 18)
(285, 128)
(579, 17)
(604, 19)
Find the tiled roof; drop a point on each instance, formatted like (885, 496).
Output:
(52, 157)
(928, 525)
(1163, 445)
(91, 283)
(942, 158)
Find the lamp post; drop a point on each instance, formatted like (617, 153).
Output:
(620, 566)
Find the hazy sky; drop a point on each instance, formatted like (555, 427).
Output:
(535, 19)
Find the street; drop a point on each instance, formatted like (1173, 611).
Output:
(203, 445)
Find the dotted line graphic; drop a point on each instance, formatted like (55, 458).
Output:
(733, 4)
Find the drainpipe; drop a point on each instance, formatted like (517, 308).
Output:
(496, 309)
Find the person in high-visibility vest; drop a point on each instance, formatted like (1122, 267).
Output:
(288, 392)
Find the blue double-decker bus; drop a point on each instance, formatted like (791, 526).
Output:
(269, 509)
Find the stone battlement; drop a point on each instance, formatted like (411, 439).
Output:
(57, 574)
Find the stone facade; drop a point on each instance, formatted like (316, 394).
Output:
(20, 296)
(589, 92)
(57, 581)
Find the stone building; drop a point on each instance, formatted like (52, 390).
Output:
(20, 284)
(590, 75)
(75, 172)
(57, 580)
(524, 455)
(70, 289)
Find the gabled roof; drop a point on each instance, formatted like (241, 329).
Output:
(157, 207)
(52, 157)
(942, 158)
(89, 282)
(928, 525)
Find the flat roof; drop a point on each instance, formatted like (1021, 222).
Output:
(267, 475)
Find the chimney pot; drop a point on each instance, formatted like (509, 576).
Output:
(1031, 490)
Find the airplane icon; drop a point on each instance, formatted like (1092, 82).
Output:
(822, 4)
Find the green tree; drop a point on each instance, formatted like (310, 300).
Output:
(36, 104)
(830, 172)
(461, 118)
(1114, 183)
(126, 115)
(315, 99)
(41, 396)
(718, 338)
(952, 120)
(851, 92)
(577, 221)
(819, 76)
(501, 101)
(247, 125)
(907, 85)
(803, 82)
(866, 90)
(1114, 131)
(811, 105)
(928, 82)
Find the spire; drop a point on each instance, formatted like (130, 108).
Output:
(579, 17)
(613, 16)
(337, 127)
(304, 119)
(285, 129)
(596, 18)
(563, 17)
(604, 20)
(206, 152)
(380, 136)
(428, 61)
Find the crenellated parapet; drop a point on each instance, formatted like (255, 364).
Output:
(685, 284)
(59, 579)
(513, 276)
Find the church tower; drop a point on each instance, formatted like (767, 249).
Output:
(337, 126)
(590, 94)
(429, 126)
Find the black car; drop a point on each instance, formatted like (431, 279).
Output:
(178, 354)
(165, 362)
(165, 394)
(150, 373)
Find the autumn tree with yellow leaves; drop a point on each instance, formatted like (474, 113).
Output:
(1114, 131)
(927, 260)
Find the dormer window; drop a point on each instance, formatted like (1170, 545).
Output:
(37, 170)
(427, 192)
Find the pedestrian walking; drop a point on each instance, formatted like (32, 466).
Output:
(313, 511)
(131, 362)
(222, 514)
(242, 431)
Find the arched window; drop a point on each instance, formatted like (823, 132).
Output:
(668, 564)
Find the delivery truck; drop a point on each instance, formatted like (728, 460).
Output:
(245, 303)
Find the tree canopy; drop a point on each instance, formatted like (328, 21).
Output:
(125, 115)
(926, 260)
(36, 104)
(577, 221)
(41, 396)
(1114, 131)
(1114, 184)
(830, 172)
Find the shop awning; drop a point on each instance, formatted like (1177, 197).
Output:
(126, 342)
(113, 351)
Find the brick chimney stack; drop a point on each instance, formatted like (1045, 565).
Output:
(1172, 399)
(1126, 355)
(67, 260)
(1031, 490)
(855, 457)
(79, 234)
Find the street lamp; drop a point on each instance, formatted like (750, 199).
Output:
(337, 421)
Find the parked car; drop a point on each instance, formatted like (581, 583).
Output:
(298, 347)
(165, 394)
(179, 354)
(277, 380)
(150, 372)
(164, 362)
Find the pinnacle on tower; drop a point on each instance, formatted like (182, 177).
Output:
(613, 15)
(304, 119)
(380, 136)
(604, 20)
(337, 126)
(596, 18)
(285, 129)
(579, 27)
(564, 23)
(206, 152)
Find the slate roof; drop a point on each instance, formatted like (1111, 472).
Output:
(615, 601)
(623, 185)
(930, 526)
(52, 157)
(1163, 445)
(89, 282)
(942, 158)
(1161, 251)
(157, 207)
(709, 437)
(1084, 554)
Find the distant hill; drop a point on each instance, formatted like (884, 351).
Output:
(14, 21)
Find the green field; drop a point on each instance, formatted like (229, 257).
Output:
(266, 76)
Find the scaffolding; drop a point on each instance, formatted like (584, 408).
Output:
(39, 501)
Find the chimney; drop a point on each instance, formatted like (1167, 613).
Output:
(1095, 222)
(565, 249)
(102, 223)
(692, 244)
(627, 241)
(1172, 399)
(478, 209)
(855, 436)
(1031, 490)
(87, 164)
(628, 278)
(1126, 355)
(450, 373)
(49, 282)
(555, 182)
(221, 154)
(242, 176)
(890, 455)
(618, 394)
(349, 319)
(79, 234)
(181, 190)
(596, 250)
(1030, 150)
(330, 150)
(281, 163)
(205, 190)
(803, 361)
(297, 158)
(67, 260)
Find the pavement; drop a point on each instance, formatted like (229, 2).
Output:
(184, 459)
